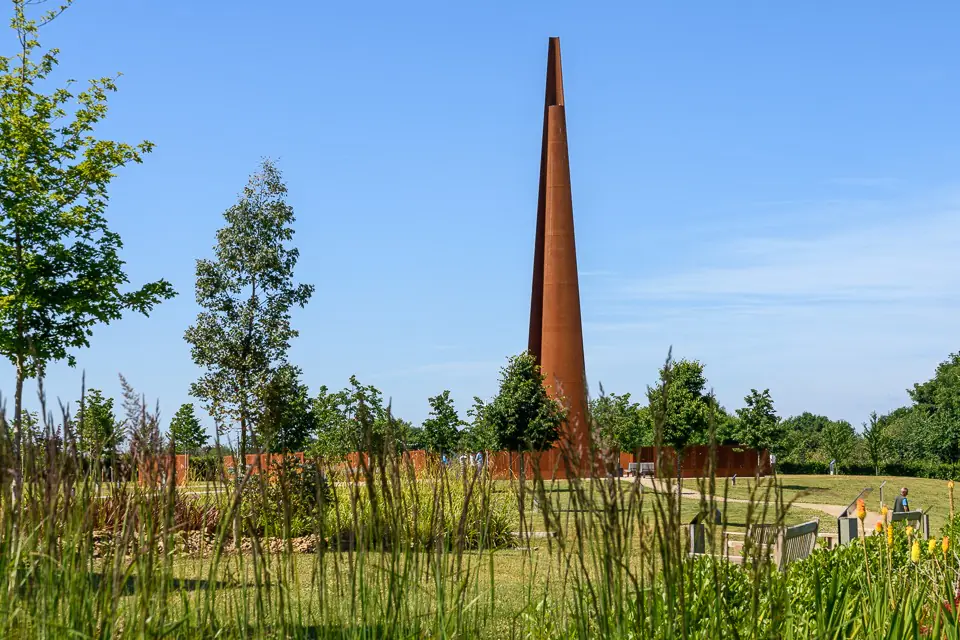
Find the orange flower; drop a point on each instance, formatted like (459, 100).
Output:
(861, 509)
(879, 527)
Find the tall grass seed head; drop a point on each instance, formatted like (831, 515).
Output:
(915, 551)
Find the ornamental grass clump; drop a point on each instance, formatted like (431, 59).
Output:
(380, 549)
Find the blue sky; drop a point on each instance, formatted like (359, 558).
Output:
(770, 188)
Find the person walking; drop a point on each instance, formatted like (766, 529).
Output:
(901, 505)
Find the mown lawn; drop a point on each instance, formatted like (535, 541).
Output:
(841, 490)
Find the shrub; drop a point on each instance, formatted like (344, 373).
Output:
(291, 494)
(206, 467)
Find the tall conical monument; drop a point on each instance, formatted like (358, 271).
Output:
(556, 333)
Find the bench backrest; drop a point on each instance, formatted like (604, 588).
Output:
(796, 543)
(761, 535)
(646, 466)
(919, 519)
(632, 466)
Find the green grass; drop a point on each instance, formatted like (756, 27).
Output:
(841, 490)
(414, 564)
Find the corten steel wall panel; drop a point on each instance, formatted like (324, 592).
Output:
(556, 332)
(696, 461)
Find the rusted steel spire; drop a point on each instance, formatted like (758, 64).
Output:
(556, 332)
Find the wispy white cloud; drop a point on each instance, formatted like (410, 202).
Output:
(905, 259)
(839, 317)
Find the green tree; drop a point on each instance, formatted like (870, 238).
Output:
(838, 440)
(523, 415)
(480, 435)
(187, 432)
(98, 431)
(441, 430)
(759, 422)
(332, 431)
(60, 267)
(286, 422)
(938, 400)
(682, 404)
(875, 437)
(801, 441)
(620, 423)
(247, 291)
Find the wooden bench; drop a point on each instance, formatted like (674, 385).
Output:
(796, 543)
(918, 519)
(784, 544)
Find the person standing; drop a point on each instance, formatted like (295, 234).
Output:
(900, 504)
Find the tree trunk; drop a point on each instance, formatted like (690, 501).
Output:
(17, 467)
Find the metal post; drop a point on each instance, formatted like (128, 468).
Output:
(881, 493)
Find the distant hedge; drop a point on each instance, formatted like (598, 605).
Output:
(935, 470)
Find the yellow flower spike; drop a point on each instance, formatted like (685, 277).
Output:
(879, 527)
(945, 545)
(909, 531)
(861, 509)
(915, 551)
(932, 546)
(883, 511)
(889, 535)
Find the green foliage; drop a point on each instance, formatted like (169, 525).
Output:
(759, 422)
(207, 467)
(356, 419)
(441, 431)
(685, 407)
(187, 432)
(801, 440)
(288, 502)
(838, 440)
(98, 431)
(60, 267)
(480, 434)
(247, 291)
(877, 442)
(620, 423)
(287, 422)
(523, 415)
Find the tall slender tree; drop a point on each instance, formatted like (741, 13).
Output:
(246, 291)
(185, 429)
(441, 430)
(60, 268)
(759, 422)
